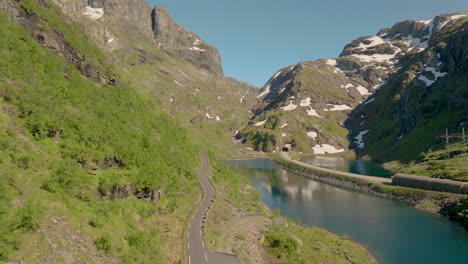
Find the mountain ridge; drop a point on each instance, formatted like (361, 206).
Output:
(310, 94)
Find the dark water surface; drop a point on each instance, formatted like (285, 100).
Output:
(391, 230)
(357, 166)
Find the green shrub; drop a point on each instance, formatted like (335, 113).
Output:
(22, 160)
(143, 246)
(29, 216)
(104, 243)
(65, 175)
(7, 246)
(95, 222)
(282, 244)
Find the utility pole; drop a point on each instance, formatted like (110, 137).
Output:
(447, 138)
(464, 142)
(447, 153)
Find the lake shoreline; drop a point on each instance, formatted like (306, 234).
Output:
(445, 204)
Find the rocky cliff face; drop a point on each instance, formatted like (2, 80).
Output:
(311, 101)
(181, 43)
(140, 23)
(131, 15)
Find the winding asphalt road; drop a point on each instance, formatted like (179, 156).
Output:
(286, 156)
(198, 253)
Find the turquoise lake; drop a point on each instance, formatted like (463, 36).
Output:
(391, 230)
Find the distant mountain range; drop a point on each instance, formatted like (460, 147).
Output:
(399, 88)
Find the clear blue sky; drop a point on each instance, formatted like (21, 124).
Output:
(258, 37)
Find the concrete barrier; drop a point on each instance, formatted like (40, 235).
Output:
(432, 184)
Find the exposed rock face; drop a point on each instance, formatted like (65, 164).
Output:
(132, 15)
(138, 21)
(337, 86)
(53, 40)
(72, 5)
(181, 43)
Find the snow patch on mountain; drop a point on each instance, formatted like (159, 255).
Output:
(261, 123)
(369, 101)
(290, 107)
(347, 87)
(376, 57)
(312, 134)
(436, 73)
(265, 92)
(362, 90)
(359, 138)
(378, 86)
(326, 149)
(374, 41)
(94, 13)
(338, 108)
(331, 62)
(312, 112)
(306, 102)
(197, 49)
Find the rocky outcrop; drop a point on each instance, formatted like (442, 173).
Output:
(132, 16)
(181, 43)
(72, 5)
(116, 192)
(50, 38)
(138, 21)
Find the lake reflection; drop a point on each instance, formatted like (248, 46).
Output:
(357, 166)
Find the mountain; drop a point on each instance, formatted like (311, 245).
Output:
(378, 87)
(171, 65)
(425, 96)
(104, 109)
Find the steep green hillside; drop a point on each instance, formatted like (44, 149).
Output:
(69, 147)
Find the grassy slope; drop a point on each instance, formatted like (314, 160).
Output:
(215, 96)
(63, 120)
(433, 163)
